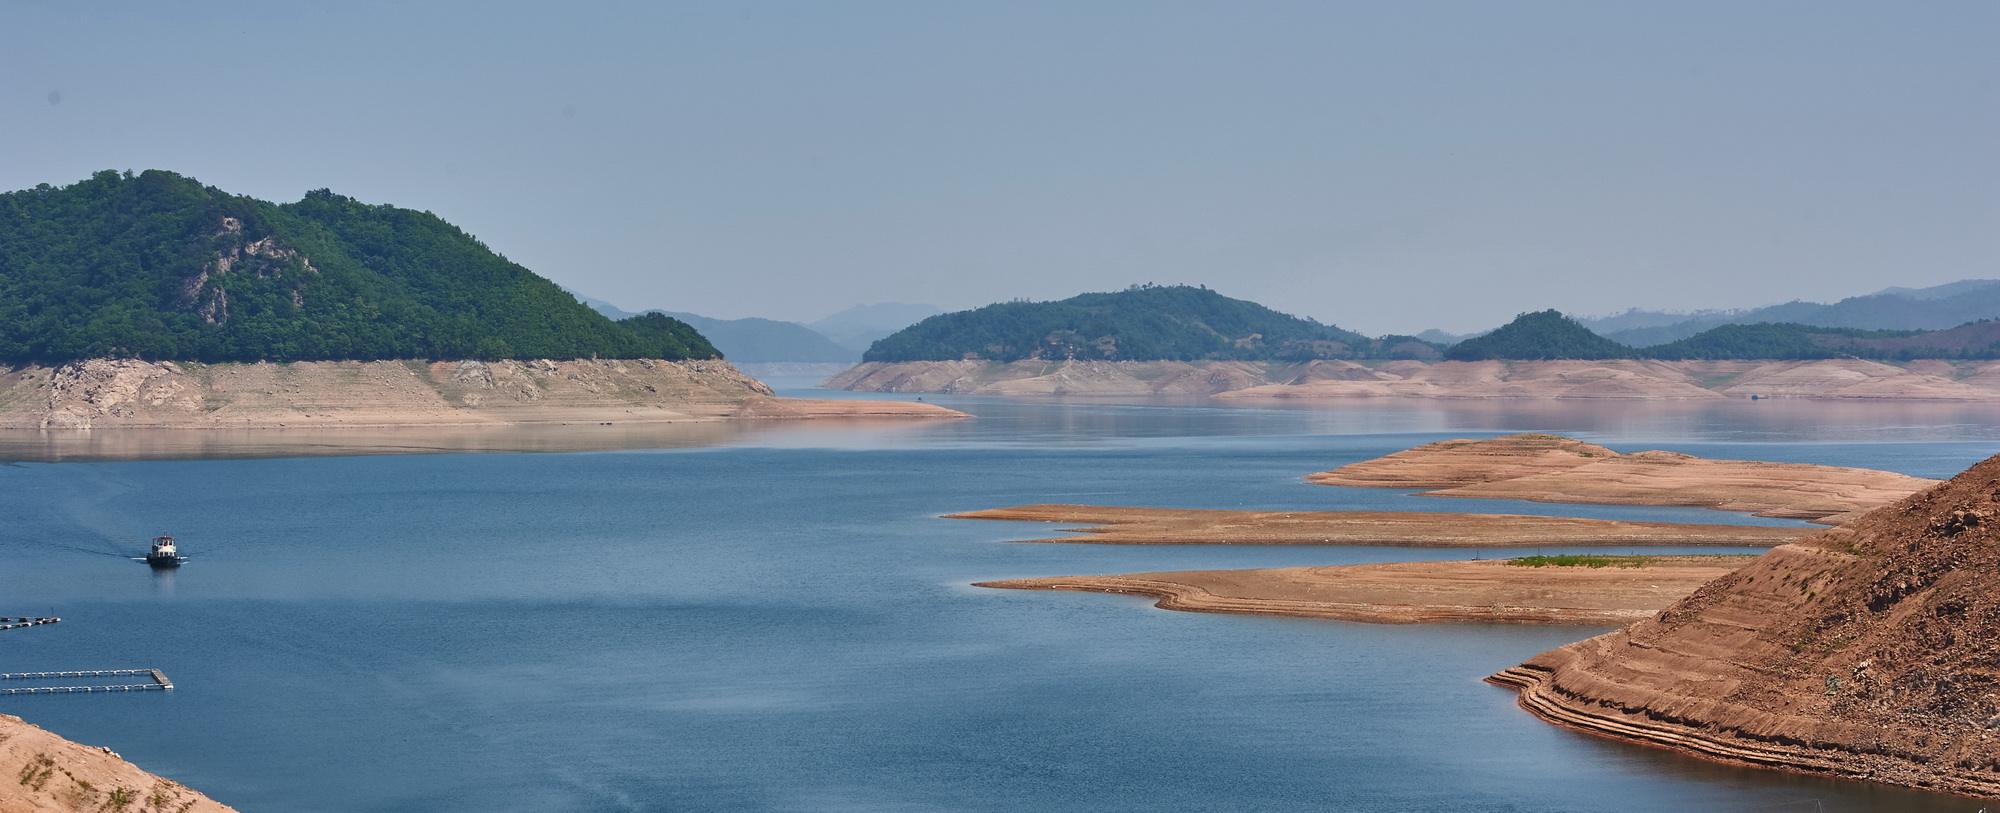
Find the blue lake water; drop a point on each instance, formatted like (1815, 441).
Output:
(775, 619)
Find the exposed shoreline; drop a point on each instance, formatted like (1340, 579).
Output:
(130, 394)
(1831, 379)
(1553, 468)
(1118, 525)
(1863, 652)
(1491, 591)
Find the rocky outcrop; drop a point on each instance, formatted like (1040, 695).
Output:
(43, 773)
(1328, 379)
(1869, 651)
(105, 393)
(263, 258)
(1493, 592)
(1551, 468)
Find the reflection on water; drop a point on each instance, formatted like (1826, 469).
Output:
(144, 444)
(1071, 421)
(1789, 420)
(163, 581)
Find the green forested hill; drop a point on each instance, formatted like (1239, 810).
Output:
(157, 266)
(1144, 323)
(1976, 340)
(1540, 335)
(1550, 335)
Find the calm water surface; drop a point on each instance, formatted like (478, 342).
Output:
(778, 620)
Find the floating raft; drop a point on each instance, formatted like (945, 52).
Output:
(160, 682)
(17, 622)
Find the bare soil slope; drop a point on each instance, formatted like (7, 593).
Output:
(1869, 651)
(131, 393)
(1550, 468)
(43, 773)
(1839, 379)
(1414, 592)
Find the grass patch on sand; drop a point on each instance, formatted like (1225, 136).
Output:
(1578, 560)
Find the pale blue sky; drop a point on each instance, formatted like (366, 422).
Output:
(1382, 166)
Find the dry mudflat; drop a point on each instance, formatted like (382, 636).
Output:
(1117, 525)
(1618, 591)
(1833, 379)
(43, 773)
(1534, 467)
(1551, 468)
(125, 393)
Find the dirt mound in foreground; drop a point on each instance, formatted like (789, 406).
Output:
(43, 773)
(1869, 651)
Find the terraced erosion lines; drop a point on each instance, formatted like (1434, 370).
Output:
(1327, 379)
(1868, 651)
(1117, 525)
(1552, 468)
(128, 393)
(1419, 592)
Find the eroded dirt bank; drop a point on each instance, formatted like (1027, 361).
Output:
(43, 773)
(129, 393)
(1115, 525)
(1551, 468)
(1416, 592)
(1677, 380)
(1869, 651)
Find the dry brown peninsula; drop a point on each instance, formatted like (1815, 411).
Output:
(1116, 525)
(1552, 468)
(1605, 590)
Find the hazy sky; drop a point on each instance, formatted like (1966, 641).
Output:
(1382, 166)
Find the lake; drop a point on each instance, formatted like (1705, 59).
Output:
(775, 618)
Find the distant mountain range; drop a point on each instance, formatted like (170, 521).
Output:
(859, 327)
(1191, 323)
(840, 338)
(1550, 335)
(1933, 308)
(1143, 323)
(762, 341)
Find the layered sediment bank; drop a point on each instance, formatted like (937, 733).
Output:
(1551, 468)
(1327, 379)
(1115, 525)
(1867, 651)
(1628, 589)
(108, 393)
(44, 773)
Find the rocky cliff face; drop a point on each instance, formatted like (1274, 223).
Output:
(1869, 651)
(264, 258)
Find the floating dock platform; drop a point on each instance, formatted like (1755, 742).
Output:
(17, 622)
(159, 683)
